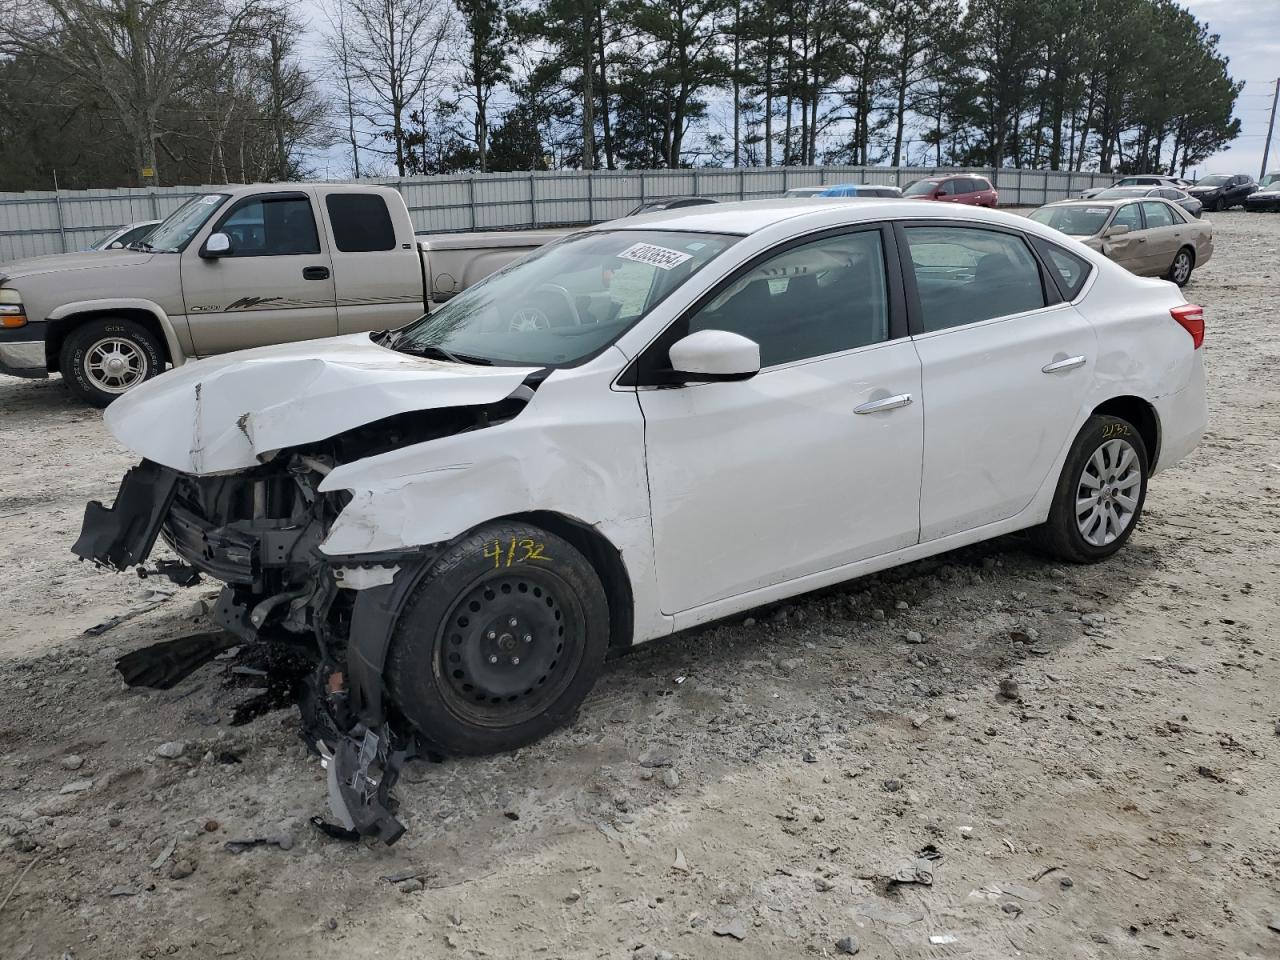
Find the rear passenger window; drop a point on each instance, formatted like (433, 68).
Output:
(967, 274)
(1069, 270)
(361, 222)
(1157, 214)
(814, 299)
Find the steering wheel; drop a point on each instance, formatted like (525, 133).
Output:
(534, 317)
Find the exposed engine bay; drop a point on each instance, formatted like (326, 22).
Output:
(259, 532)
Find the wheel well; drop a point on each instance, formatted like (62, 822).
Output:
(606, 560)
(62, 328)
(1142, 415)
(1191, 250)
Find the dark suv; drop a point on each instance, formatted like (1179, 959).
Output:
(1221, 191)
(964, 188)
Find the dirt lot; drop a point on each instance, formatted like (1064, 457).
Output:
(741, 791)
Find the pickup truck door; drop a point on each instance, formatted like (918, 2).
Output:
(274, 286)
(377, 267)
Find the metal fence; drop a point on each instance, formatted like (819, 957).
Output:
(32, 224)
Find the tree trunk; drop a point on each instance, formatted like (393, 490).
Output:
(604, 90)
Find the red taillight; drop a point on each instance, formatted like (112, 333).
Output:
(1191, 317)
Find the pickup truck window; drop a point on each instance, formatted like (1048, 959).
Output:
(176, 231)
(566, 302)
(270, 226)
(361, 222)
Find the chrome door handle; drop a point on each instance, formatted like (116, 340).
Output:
(1061, 366)
(880, 406)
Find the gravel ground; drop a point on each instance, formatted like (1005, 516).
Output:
(741, 791)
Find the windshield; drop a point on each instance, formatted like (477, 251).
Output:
(1270, 180)
(177, 229)
(566, 301)
(920, 187)
(1217, 180)
(1081, 221)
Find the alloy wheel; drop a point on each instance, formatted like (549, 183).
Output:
(1107, 492)
(1182, 267)
(115, 364)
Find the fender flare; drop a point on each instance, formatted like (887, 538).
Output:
(177, 356)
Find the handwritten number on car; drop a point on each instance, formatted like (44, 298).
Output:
(1115, 430)
(514, 551)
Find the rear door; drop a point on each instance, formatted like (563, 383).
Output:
(377, 268)
(1005, 368)
(275, 286)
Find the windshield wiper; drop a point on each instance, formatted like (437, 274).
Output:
(440, 353)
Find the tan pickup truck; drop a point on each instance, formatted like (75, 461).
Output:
(234, 268)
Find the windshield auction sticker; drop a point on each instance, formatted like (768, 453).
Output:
(655, 256)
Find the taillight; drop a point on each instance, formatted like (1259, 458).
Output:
(1191, 318)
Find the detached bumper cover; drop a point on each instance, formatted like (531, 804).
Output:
(123, 534)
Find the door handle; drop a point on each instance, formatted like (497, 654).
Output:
(1061, 366)
(315, 273)
(880, 406)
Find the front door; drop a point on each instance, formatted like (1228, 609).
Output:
(1127, 249)
(1164, 230)
(1004, 374)
(275, 286)
(815, 461)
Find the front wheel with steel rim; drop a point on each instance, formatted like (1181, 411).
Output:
(1100, 493)
(105, 358)
(1180, 269)
(501, 641)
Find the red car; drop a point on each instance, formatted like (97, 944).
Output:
(962, 188)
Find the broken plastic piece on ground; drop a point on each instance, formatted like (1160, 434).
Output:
(152, 601)
(162, 665)
(335, 831)
(918, 869)
(283, 841)
(361, 773)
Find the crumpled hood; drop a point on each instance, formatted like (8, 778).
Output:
(56, 263)
(223, 413)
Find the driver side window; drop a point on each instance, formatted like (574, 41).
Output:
(1128, 216)
(272, 227)
(818, 298)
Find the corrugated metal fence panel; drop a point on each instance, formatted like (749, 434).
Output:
(33, 224)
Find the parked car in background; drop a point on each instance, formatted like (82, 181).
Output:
(861, 190)
(727, 406)
(1151, 237)
(669, 203)
(804, 192)
(234, 268)
(1267, 196)
(965, 188)
(1139, 180)
(1174, 194)
(1221, 191)
(121, 237)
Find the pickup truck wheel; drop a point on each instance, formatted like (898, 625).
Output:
(500, 643)
(102, 359)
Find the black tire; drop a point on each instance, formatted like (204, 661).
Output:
(501, 641)
(1061, 535)
(1184, 261)
(88, 344)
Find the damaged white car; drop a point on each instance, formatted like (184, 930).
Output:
(647, 425)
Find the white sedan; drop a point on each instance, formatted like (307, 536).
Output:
(648, 425)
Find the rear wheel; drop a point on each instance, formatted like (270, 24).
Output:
(1180, 269)
(500, 643)
(103, 359)
(1100, 493)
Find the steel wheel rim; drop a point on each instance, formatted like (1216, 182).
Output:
(1107, 492)
(115, 364)
(509, 647)
(1182, 267)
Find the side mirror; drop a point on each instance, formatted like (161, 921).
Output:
(218, 245)
(715, 355)
(1116, 230)
(942, 192)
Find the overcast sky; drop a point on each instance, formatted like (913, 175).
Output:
(1249, 37)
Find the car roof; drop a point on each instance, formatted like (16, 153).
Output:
(745, 217)
(1100, 201)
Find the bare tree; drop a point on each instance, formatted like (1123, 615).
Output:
(394, 52)
(296, 112)
(139, 53)
(341, 70)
